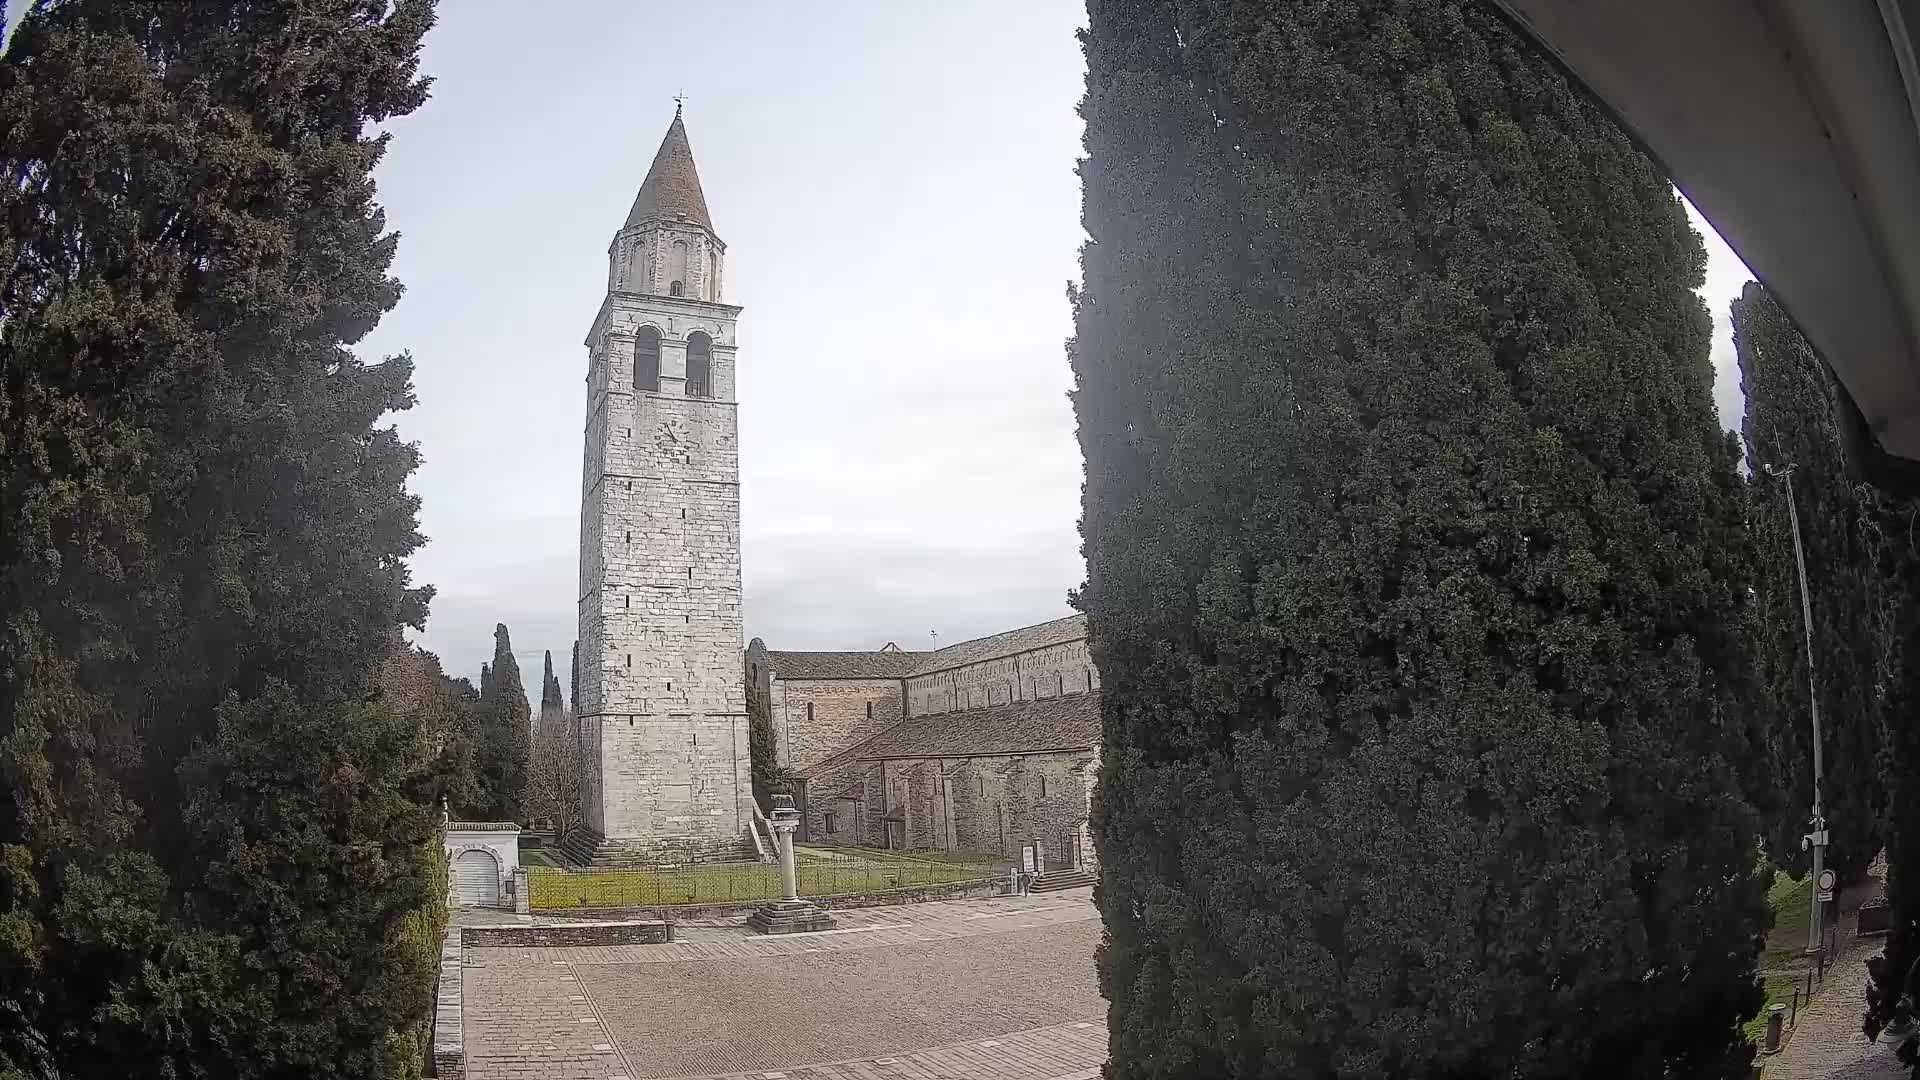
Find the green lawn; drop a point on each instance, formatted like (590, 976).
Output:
(1791, 902)
(1783, 961)
(828, 873)
(532, 856)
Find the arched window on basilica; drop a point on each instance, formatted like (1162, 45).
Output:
(646, 360)
(699, 365)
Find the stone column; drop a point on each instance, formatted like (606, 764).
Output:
(522, 901)
(789, 914)
(784, 825)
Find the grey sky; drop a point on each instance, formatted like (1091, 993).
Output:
(895, 183)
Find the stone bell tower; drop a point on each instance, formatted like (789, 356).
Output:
(662, 709)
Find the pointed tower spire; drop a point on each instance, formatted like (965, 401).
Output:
(672, 189)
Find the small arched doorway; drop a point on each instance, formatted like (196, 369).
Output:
(476, 879)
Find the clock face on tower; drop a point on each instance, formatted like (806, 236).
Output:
(674, 440)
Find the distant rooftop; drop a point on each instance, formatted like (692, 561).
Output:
(892, 662)
(870, 664)
(1025, 639)
(1068, 722)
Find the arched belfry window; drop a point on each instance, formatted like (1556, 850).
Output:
(677, 269)
(699, 365)
(646, 360)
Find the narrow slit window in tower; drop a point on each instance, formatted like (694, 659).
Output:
(646, 360)
(699, 365)
(677, 269)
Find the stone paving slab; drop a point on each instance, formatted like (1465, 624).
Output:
(998, 990)
(771, 1013)
(1061, 1052)
(1827, 1043)
(885, 927)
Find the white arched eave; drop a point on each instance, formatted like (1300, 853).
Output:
(1794, 126)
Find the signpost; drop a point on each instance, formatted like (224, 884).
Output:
(1825, 886)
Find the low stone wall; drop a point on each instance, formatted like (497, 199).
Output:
(449, 1040)
(702, 913)
(528, 935)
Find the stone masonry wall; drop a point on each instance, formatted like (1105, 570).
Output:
(1038, 673)
(982, 804)
(663, 702)
(817, 718)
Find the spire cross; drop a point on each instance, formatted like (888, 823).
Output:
(679, 99)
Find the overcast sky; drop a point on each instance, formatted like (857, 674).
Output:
(895, 183)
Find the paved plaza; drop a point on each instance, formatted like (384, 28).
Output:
(988, 989)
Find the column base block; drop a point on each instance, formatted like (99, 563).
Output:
(791, 917)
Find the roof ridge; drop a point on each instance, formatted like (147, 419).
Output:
(1004, 633)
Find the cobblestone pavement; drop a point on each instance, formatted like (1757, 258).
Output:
(1827, 1043)
(986, 989)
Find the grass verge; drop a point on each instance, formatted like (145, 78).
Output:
(841, 872)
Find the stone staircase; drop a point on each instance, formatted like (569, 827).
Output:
(1056, 880)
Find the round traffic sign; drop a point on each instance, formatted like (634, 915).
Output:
(1827, 881)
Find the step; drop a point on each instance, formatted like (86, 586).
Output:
(1056, 880)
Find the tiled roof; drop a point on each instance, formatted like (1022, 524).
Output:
(1070, 722)
(1025, 639)
(672, 188)
(843, 665)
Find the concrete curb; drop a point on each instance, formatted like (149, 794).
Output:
(449, 1038)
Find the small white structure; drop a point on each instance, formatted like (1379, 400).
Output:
(483, 856)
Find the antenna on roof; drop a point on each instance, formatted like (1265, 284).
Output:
(935, 635)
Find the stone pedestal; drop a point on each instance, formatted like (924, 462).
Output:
(791, 917)
(789, 914)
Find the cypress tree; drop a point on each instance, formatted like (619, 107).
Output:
(213, 850)
(1794, 410)
(573, 689)
(552, 708)
(1416, 562)
(509, 730)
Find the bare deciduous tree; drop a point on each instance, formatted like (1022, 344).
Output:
(553, 783)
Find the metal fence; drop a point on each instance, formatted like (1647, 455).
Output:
(834, 874)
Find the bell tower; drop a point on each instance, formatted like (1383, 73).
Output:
(662, 710)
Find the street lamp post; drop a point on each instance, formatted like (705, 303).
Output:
(1815, 841)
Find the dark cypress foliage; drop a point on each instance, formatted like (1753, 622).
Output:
(507, 750)
(1854, 539)
(573, 689)
(1416, 562)
(552, 707)
(214, 859)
